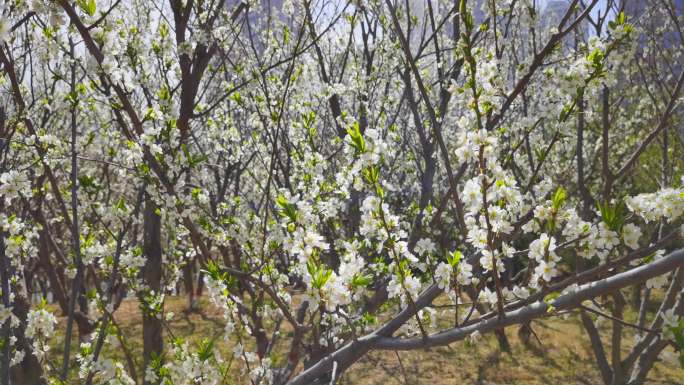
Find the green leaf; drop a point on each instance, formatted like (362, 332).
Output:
(548, 300)
(287, 209)
(88, 6)
(323, 277)
(163, 30)
(613, 215)
(91, 7)
(454, 258)
(308, 119)
(368, 319)
(596, 58)
(286, 34)
(121, 204)
(194, 160)
(678, 332)
(237, 98)
(371, 174)
(311, 267)
(164, 93)
(196, 192)
(205, 349)
(356, 139)
(214, 271)
(88, 184)
(559, 198)
(361, 280)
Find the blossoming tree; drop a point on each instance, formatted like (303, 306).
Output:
(327, 171)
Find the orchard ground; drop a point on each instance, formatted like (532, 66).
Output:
(564, 357)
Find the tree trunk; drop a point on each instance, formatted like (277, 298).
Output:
(188, 281)
(28, 371)
(153, 343)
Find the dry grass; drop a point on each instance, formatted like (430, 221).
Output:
(563, 357)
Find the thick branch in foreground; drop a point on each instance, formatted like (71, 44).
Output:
(567, 301)
(382, 339)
